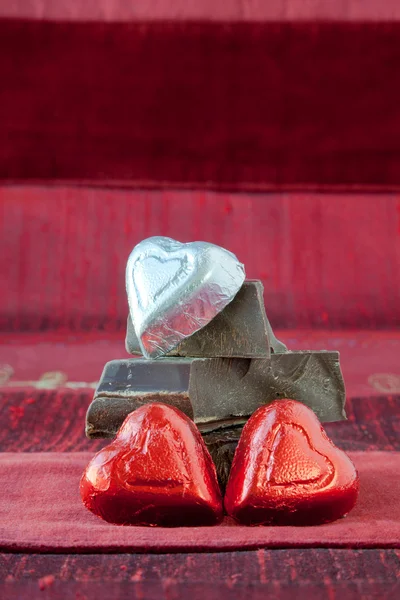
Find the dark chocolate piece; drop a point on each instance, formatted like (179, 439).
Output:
(127, 384)
(223, 388)
(217, 393)
(221, 445)
(240, 330)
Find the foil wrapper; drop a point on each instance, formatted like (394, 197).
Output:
(176, 289)
(286, 471)
(156, 472)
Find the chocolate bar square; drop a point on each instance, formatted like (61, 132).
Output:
(217, 393)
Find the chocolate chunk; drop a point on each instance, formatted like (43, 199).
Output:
(240, 330)
(217, 393)
(221, 445)
(127, 384)
(232, 388)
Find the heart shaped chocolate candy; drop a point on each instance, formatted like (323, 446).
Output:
(287, 471)
(176, 289)
(157, 471)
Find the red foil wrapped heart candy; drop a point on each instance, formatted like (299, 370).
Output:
(157, 471)
(286, 471)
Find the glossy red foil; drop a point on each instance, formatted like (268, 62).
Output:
(157, 471)
(286, 471)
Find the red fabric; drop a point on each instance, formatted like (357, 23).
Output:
(247, 101)
(40, 510)
(326, 261)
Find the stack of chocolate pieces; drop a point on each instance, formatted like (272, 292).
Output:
(207, 348)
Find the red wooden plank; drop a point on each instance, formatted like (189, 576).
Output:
(281, 574)
(53, 421)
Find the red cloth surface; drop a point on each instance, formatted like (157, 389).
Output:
(41, 510)
(230, 95)
(326, 260)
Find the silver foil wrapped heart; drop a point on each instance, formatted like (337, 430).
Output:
(176, 289)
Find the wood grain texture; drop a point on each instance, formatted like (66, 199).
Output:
(42, 421)
(313, 573)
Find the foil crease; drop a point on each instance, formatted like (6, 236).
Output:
(175, 289)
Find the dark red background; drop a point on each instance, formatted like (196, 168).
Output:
(238, 94)
(326, 261)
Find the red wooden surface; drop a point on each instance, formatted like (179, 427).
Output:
(279, 574)
(53, 421)
(326, 261)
